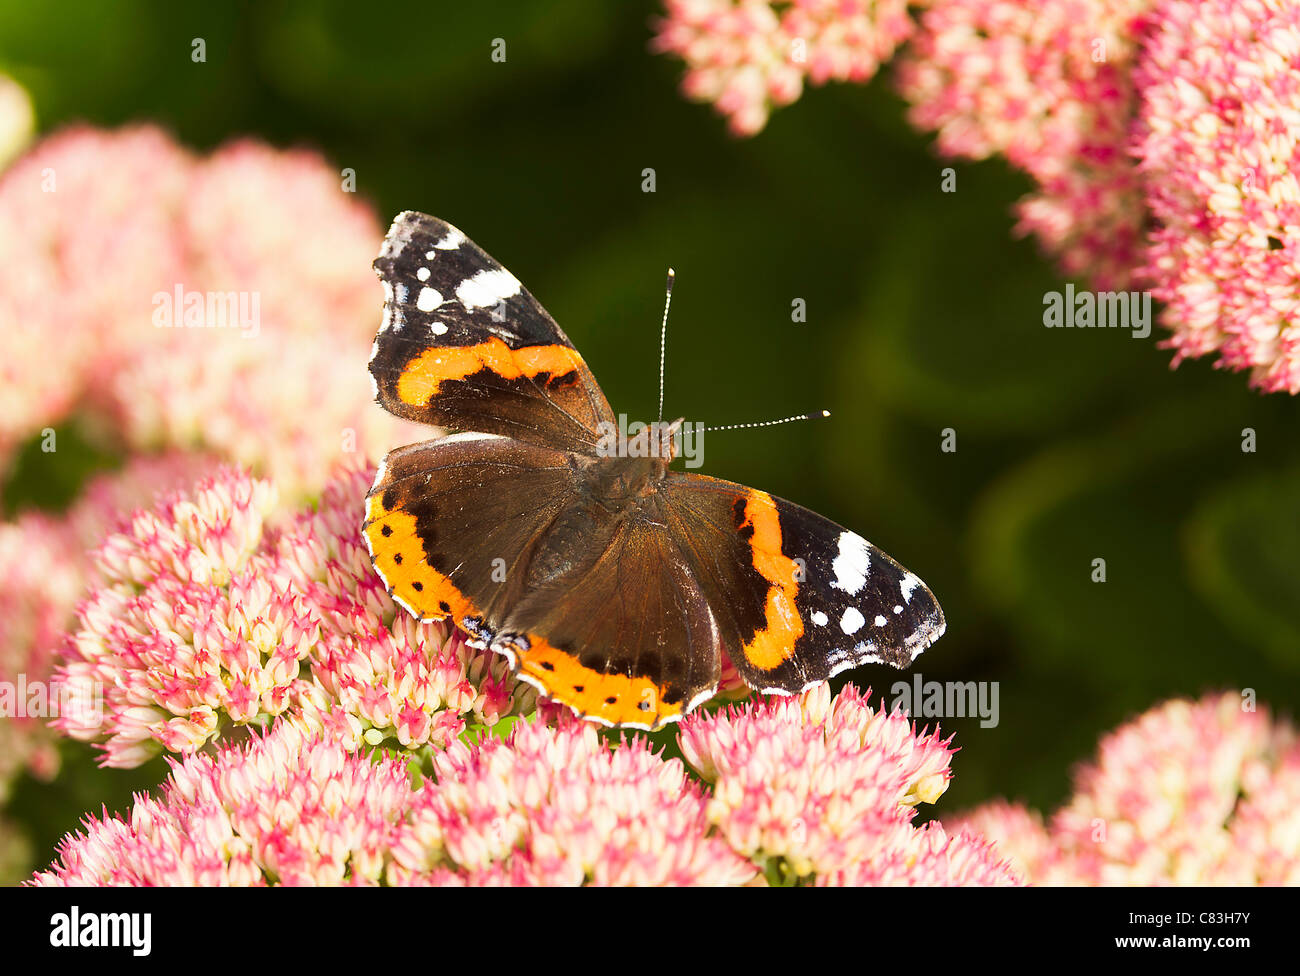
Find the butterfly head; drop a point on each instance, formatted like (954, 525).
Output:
(628, 466)
(657, 440)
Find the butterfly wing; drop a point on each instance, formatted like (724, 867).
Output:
(452, 524)
(622, 635)
(796, 597)
(597, 610)
(464, 345)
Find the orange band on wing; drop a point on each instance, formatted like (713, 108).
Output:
(399, 558)
(613, 698)
(422, 376)
(774, 643)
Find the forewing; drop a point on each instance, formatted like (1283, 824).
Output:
(464, 345)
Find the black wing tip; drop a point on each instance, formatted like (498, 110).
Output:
(933, 626)
(412, 219)
(407, 226)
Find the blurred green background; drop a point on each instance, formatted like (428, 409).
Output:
(923, 313)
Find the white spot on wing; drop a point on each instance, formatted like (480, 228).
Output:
(487, 288)
(852, 563)
(880, 621)
(423, 274)
(907, 585)
(430, 298)
(453, 240)
(439, 328)
(852, 621)
(819, 618)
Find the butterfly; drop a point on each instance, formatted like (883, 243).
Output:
(611, 582)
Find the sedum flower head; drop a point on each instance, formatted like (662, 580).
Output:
(288, 808)
(1049, 86)
(43, 570)
(208, 617)
(750, 56)
(101, 231)
(548, 805)
(1219, 137)
(811, 786)
(559, 806)
(1194, 793)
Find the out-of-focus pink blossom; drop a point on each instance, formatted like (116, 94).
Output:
(1219, 142)
(209, 617)
(1020, 837)
(1189, 793)
(750, 56)
(39, 586)
(1049, 86)
(44, 568)
(549, 805)
(217, 303)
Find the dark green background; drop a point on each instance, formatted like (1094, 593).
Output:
(923, 313)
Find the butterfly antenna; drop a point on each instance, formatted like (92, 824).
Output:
(663, 338)
(772, 423)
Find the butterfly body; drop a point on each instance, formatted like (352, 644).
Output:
(611, 582)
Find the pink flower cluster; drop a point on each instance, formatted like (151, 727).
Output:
(874, 768)
(287, 808)
(1219, 141)
(552, 805)
(209, 616)
(559, 806)
(171, 300)
(750, 56)
(1049, 86)
(1162, 160)
(43, 572)
(1199, 793)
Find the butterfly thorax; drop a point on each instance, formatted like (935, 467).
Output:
(611, 495)
(628, 469)
(616, 484)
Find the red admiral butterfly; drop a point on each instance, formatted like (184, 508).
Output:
(611, 582)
